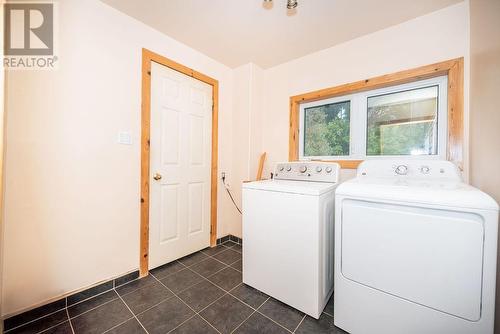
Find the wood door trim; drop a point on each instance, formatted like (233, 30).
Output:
(453, 68)
(147, 58)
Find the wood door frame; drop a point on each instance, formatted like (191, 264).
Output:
(147, 58)
(453, 68)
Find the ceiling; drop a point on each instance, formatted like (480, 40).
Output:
(236, 32)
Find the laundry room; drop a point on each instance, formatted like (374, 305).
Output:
(251, 166)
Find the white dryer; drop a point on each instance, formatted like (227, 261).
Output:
(288, 226)
(415, 251)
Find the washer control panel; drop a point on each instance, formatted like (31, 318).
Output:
(313, 171)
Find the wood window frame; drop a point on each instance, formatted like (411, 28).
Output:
(147, 58)
(453, 68)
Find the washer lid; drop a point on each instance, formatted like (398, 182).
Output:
(433, 192)
(292, 187)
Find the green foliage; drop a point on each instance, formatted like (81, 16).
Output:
(327, 130)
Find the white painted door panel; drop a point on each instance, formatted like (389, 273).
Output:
(181, 123)
(430, 257)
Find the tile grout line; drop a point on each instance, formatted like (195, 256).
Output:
(209, 323)
(69, 319)
(135, 290)
(93, 308)
(206, 278)
(277, 323)
(234, 330)
(168, 275)
(182, 323)
(262, 314)
(87, 299)
(118, 325)
(192, 309)
(152, 306)
(67, 313)
(208, 257)
(176, 295)
(139, 288)
(231, 265)
(133, 314)
(223, 246)
(257, 308)
(48, 329)
(300, 323)
(31, 321)
(254, 309)
(190, 286)
(228, 265)
(203, 277)
(205, 259)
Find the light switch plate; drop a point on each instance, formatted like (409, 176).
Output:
(124, 138)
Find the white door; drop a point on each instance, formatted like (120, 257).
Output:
(181, 124)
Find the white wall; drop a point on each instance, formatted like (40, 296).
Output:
(72, 193)
(485, 86)
(435, 37)
(484, 113)
(247, 133)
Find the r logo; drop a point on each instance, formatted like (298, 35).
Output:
(29, 29)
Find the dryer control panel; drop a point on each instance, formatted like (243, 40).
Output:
(409, 168)
(307, 171)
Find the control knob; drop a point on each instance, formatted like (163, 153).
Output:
(425, 169)
(328, 169)
(288, 168)
(401, 170)
(303, 169)
(319, 169)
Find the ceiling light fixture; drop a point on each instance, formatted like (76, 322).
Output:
(290, 4)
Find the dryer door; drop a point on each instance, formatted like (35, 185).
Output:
(430, 257)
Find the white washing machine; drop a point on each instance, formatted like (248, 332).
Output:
(415, 251)
(288, 235)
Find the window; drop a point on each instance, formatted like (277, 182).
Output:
(403, 120)
(327, 129)
(403, 123)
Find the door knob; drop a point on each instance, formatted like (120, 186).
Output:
(157, 176)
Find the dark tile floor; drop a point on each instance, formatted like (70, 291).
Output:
(200, 293)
